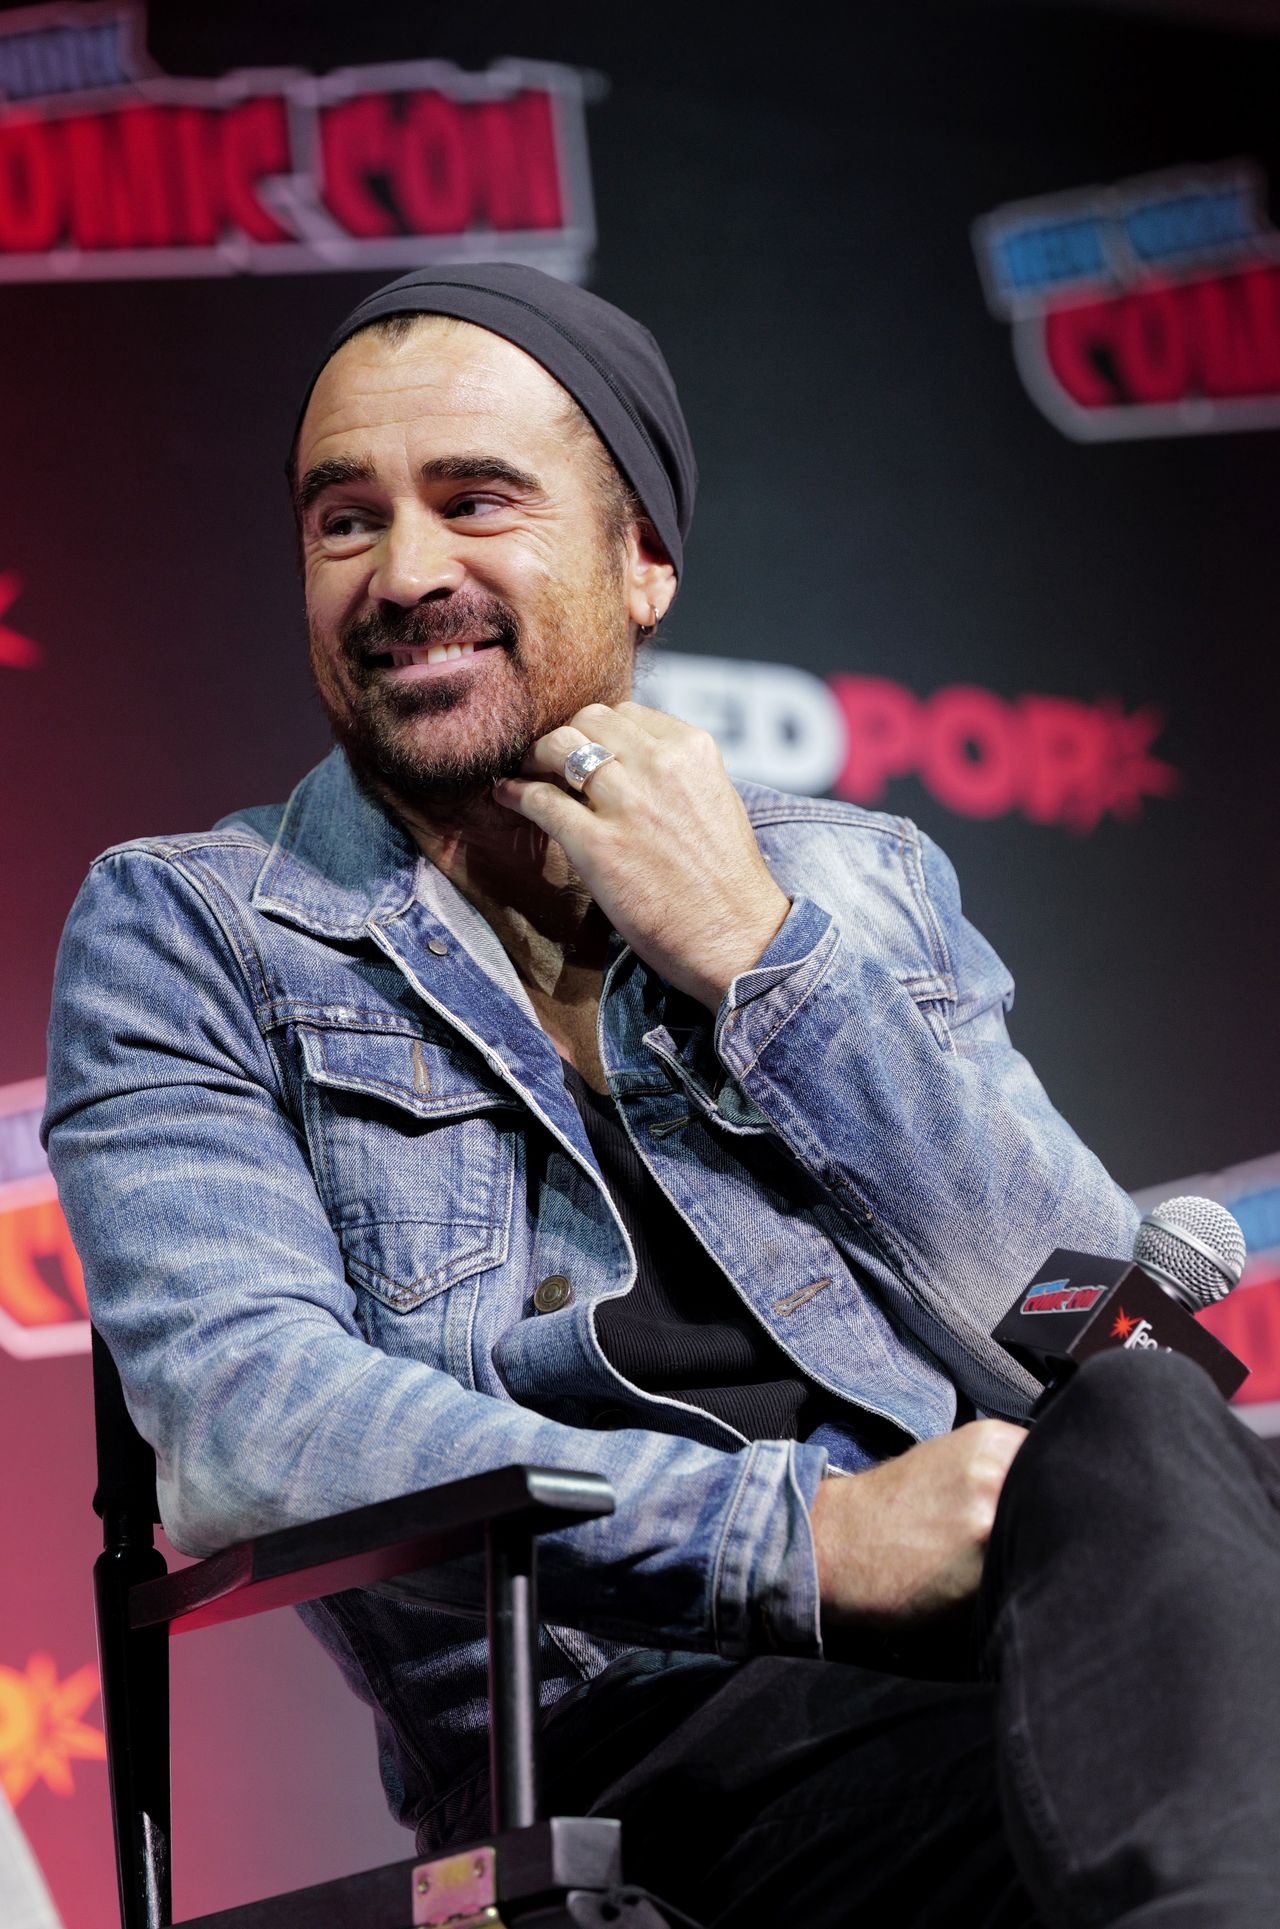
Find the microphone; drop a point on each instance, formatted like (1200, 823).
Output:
(1193, 1247)
(1187, 1253)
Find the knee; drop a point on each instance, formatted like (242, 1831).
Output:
(1131, 1396)
(1124, 1421)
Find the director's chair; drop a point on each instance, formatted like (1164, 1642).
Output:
(559, 1873)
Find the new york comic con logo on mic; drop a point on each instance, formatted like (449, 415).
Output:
(1151, 307)
(110, 168)
(1060, 1296)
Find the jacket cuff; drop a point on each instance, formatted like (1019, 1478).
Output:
(760, 1001)
(765, 1594)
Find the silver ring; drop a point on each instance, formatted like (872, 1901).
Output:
(583, 763)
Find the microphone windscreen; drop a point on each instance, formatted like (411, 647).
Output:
(1193, 1245)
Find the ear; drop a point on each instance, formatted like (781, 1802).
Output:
(651, 578)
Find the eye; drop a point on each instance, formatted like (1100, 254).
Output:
(469, 508)
(346, 522)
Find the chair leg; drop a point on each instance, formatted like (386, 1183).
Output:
(511, 1556)
(135, 1706)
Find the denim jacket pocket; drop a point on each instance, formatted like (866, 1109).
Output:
(413, 1165)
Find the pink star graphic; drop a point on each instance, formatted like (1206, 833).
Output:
(17, 652)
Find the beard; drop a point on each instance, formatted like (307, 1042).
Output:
(582, 654)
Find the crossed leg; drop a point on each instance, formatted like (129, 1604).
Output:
(1120, 1764)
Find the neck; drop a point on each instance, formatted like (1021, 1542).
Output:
(523, 885)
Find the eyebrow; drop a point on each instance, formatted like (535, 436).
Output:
(330, 475)
(341, 470)
(477, 468)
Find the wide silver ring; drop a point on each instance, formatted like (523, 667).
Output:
(583, 763)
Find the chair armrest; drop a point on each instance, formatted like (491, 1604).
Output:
(366, 1545)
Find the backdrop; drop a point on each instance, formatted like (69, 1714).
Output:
(975, 311)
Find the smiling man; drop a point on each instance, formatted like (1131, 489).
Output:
(463, 534)
(522, 1090)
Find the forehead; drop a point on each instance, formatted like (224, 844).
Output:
(437, 384)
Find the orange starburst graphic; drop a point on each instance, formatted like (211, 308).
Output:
(41, 1731)
(1124, 1325)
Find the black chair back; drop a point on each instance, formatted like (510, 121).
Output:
(134, 1664)
(126, 1464)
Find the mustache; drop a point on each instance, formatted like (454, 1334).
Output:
(366, 641)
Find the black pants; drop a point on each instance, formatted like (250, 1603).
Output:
(1113, 1757)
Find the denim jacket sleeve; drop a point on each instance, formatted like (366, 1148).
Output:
(894, 1082)
(216, 1280)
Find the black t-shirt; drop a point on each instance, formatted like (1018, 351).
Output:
(682, 1330)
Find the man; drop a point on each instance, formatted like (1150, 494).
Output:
(523, 1091)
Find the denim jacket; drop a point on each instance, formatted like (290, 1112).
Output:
(316, 1154)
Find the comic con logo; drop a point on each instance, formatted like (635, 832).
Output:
(43, 1307)
(1060, 1296)
(110, 168)
(1148, 308)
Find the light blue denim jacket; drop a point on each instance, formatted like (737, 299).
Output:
(316, 1154)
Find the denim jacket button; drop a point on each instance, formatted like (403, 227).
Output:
(552, 1293)
(438, 947)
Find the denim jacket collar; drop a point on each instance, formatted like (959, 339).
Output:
(342, 867)
(339, 861)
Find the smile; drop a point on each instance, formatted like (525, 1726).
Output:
(431, 654)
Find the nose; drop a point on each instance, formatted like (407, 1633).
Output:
(415, 559)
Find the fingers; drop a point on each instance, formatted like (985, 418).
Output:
(996, 1441)
(545, 758)
(554, 809)
(905, 1540)
(988, 1447)
(631, 730)
(610, 725)
(656, 723)
(543, 794)
(596, 723)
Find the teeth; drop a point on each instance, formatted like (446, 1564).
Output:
(438, 653)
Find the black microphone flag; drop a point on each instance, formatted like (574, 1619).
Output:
(1079, 1304)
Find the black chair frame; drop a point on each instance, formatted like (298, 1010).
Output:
(557, 1871)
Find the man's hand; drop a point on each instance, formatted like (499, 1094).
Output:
(661, 841)
(899, 1545)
